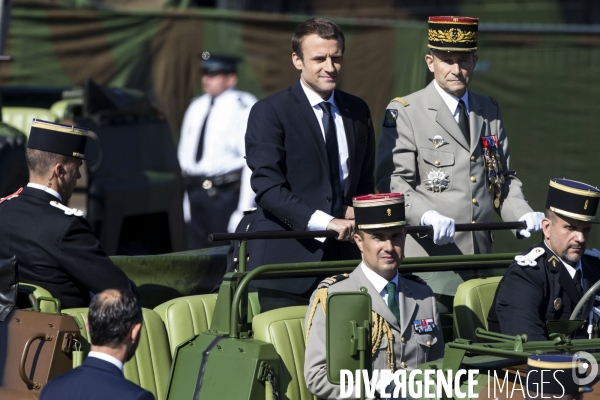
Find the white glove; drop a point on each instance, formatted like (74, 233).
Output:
(593, 253)
(534, 223)
(443, 227)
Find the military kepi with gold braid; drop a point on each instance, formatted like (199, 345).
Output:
(573, 199)
(58, 138)
(453, 33)
(377, 211)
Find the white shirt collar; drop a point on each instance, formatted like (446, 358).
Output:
(569, 268)
(450, 99)
(378, 281)
(45, 189)
(107, 358)
(314, 99)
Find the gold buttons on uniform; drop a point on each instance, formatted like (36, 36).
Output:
(473, 221)
(403, 364)
(474, 201)
(429, 343)
(402, 339)
(473, 179)
(437, 162)
(472, 158)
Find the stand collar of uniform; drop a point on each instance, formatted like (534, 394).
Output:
(108, 358)
(45, 189)
(378, 281)
(450, 99)
(314, 99)
(569, 268)
(224, 95)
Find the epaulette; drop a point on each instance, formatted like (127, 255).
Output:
(414, 278)
(325, 283)
(402, 101)
(494, 101)
(592, 253)
(530, 259)
(11, 196)
(67, 210)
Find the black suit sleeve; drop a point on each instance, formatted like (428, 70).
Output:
(266, 157)
(145, 395)
(366, 183)
(518, 303)
(81, 256)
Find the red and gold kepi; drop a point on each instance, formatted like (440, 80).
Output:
(58, 138)
(453, 33)
(377, 211)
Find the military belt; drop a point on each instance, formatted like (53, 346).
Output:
(209, 182)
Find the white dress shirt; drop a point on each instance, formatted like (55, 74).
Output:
(379, 282)
(320, 219)
(452, 101)
(45, 189)
(107, 358)
(224, 145)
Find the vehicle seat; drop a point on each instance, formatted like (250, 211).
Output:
(472, 304)
(186, 316)
(28, 292)
(151, 365)
(284, 328)
(22, 117)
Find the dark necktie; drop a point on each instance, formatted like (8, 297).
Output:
(203, 131)
(577, 281)
(463, 121)
(391, 299)
(333, 155)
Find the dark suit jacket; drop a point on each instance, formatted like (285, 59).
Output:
(290, 172)
(56, 251)
(95, 379)
(528, 296)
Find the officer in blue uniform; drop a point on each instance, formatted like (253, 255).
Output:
(548, 280)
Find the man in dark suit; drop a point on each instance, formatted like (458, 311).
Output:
(311, 149)
(114, 322)
(54, 245)
(547, 281)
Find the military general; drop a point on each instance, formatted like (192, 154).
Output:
(406, 330)
(547, 281)
(445, 148)
(54, 245)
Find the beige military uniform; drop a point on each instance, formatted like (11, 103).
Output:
(415, 301)
(407, 158)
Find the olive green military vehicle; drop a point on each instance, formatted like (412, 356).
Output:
(207, 346)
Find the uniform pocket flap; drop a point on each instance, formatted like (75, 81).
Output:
(427, 340)
(437, 158)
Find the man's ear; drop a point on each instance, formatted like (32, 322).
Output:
(359, 242)
(429, 62)
(546, 225)
(134, 332)
(298, 63)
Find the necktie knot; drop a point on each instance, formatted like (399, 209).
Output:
(462, 106)
(326, 107)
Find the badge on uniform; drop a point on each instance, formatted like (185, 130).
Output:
(423, 325)
(390, 118)
(493, 167)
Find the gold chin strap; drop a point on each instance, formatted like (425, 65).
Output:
(379, 327)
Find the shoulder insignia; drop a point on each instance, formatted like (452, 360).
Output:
(494, 101)
(325, 283)
(10, 196)
(67, 210)
(414, 278)
(402, 101)
(530, 259)
(390, 118)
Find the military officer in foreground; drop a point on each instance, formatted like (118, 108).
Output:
(445, 148)
(54, 245)
(404, 307)
(547, 281)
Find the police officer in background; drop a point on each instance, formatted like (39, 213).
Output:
(445, 148)
(211, 153)
(547, 280)
(54, 245)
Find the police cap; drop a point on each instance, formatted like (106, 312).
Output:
(573, 199)
(56, 138)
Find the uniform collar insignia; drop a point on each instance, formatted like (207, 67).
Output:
(554, 261)
(67, 210)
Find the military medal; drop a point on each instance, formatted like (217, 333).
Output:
(423, 325)
(493, 167)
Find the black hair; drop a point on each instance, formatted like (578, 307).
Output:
(320, 26)
(112, 313)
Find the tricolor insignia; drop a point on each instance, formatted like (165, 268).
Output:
(423, 325)
(554, 261)
(390, 118)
